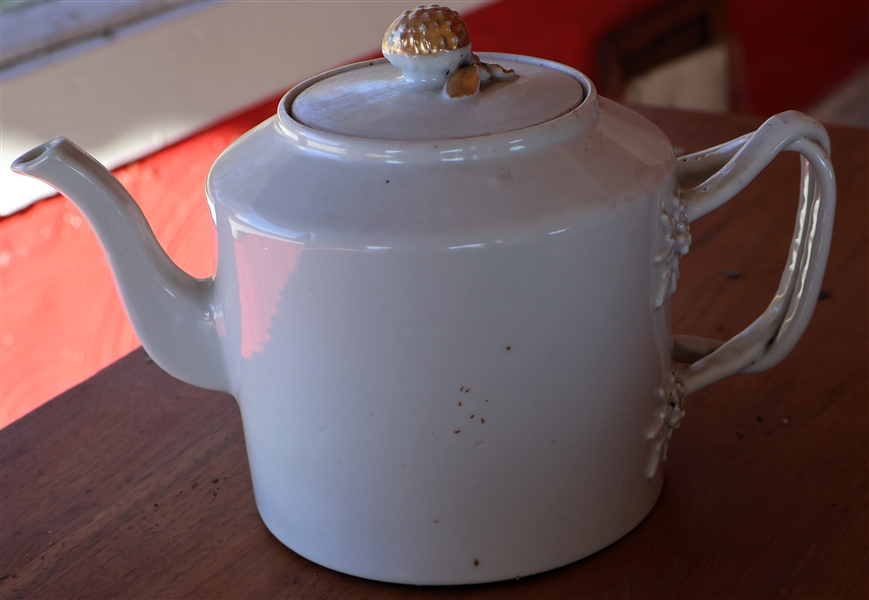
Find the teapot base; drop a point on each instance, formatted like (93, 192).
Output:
(435, 561)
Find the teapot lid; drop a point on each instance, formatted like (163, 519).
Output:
(431, 86)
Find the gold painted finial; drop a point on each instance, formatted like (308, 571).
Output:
(426, 30)
(432, 47)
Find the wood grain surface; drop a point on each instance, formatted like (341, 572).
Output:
(135, 485)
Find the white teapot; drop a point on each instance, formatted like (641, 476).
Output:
(441, 300)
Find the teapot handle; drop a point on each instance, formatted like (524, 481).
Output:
(725, 170)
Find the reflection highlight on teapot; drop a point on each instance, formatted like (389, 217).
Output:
(263, 266)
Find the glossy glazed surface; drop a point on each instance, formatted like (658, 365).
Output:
(444, 318)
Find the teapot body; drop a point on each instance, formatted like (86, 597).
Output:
(448, 355)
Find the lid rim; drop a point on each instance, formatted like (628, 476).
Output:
(340, 144)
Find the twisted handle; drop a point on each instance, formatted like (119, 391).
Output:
(725, 171)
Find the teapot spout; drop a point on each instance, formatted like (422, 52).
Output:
(172, 313)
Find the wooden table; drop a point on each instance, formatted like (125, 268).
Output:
(134, 484)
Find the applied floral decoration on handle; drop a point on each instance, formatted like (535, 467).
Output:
(674, 240)
(668, 416)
